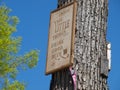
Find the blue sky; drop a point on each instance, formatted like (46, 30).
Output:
(33, 27)
(113, 35)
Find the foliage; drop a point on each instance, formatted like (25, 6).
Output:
(10, 62)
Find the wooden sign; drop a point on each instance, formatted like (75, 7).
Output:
(61, 38)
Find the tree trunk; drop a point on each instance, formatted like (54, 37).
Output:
(90, 53)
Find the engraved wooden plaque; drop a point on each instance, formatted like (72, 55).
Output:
(61, 38)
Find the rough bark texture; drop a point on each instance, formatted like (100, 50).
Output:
(90, 54)
(62, 80)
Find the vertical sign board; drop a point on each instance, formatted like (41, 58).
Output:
(61, 38)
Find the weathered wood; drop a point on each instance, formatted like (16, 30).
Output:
(90, 47)
(61, 38)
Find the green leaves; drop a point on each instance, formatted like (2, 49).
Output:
(32, 58)
(10, 62)
(13, 86)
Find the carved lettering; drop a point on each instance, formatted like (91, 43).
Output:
(61, 26)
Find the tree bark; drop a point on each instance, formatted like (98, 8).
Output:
(90, 53)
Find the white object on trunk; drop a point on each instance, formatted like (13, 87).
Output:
(109, 55)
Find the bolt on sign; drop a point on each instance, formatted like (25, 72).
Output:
(61, 38)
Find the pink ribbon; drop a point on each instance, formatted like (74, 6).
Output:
(74, 76)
